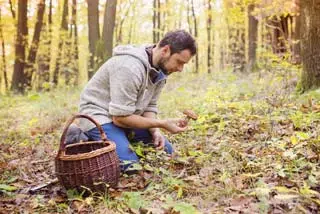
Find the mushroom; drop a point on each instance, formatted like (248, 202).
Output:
(190, 114)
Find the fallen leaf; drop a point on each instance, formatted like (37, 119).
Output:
(286, 197)
(8, 188)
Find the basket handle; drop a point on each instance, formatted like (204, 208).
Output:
(63, 136)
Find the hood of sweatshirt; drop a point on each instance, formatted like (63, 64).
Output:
(138, 52)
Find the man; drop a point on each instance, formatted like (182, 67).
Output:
(122, 95)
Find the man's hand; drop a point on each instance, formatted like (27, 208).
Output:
(175, 126)
(158, 139)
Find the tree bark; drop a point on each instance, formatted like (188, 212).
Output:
(4, 61)
(209, 32)
(62, 37)
(50, 13)
(43, 58)
(296, 50)
(119, 37)
(310, 44)
(195, 33)
(75, 49)
(35, 43)
(93, 33)
(20, 48)
(13, 12)
(132, 22)
(154, 18)
(188, 17)
(253, 37)
(158, 20)
(108, 27)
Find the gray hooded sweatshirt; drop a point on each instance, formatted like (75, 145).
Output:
(122, 86)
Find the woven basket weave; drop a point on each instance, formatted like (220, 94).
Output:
(94, 164)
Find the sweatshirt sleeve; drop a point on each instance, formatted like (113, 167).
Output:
(152, 107)
(124, 89)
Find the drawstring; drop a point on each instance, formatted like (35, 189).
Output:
(146, 84)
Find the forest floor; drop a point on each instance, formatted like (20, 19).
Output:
(254, 149)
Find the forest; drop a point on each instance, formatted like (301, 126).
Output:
(254, 84)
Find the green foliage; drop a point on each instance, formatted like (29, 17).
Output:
(134, 200)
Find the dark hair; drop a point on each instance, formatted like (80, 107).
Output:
(178, 41)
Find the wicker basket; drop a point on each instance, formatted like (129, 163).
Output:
(87, 164)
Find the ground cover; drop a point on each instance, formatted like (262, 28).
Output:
(254, 149)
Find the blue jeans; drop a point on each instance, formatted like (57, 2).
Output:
(120, 137)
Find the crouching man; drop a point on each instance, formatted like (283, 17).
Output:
(122, 95)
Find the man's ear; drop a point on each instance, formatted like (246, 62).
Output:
(166, 50)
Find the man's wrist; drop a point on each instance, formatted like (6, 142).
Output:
(154, 130)
(161, 124)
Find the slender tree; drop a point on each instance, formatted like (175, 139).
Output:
(253, 37)
(18, 76)
(4, 61)
(296, 35)
(108, 27)
(13, 12)
(62, 38)
(119, 26)
(132, 22)
(209, 35)
(93, 33)
(195, 32)
(35, 43)
(236, 35)
(188, 16)
(156, 20)
(44, 57)
(310, 44)
(75, 51)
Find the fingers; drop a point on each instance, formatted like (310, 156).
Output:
(178, 130)
(161, 143)
(175, 126)
(156, 142)
(182, 123)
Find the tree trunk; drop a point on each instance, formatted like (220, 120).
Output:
(310, 44)
(188, 17)
(253, 37)
(20, 48)
(121, 22)
(163, 17)
(296, 51)
(50, 13)
(4, 61)
(154, 18)
(62, 37)
(94, 33)
(35, 43)
(132, 22)
(13, 12)
(108, 27)
(45, 55)
(158, 20)
(195, 33)
(280, 33)
(75, 54)
(209, 26)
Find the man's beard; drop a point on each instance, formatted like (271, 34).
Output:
(162, 66)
